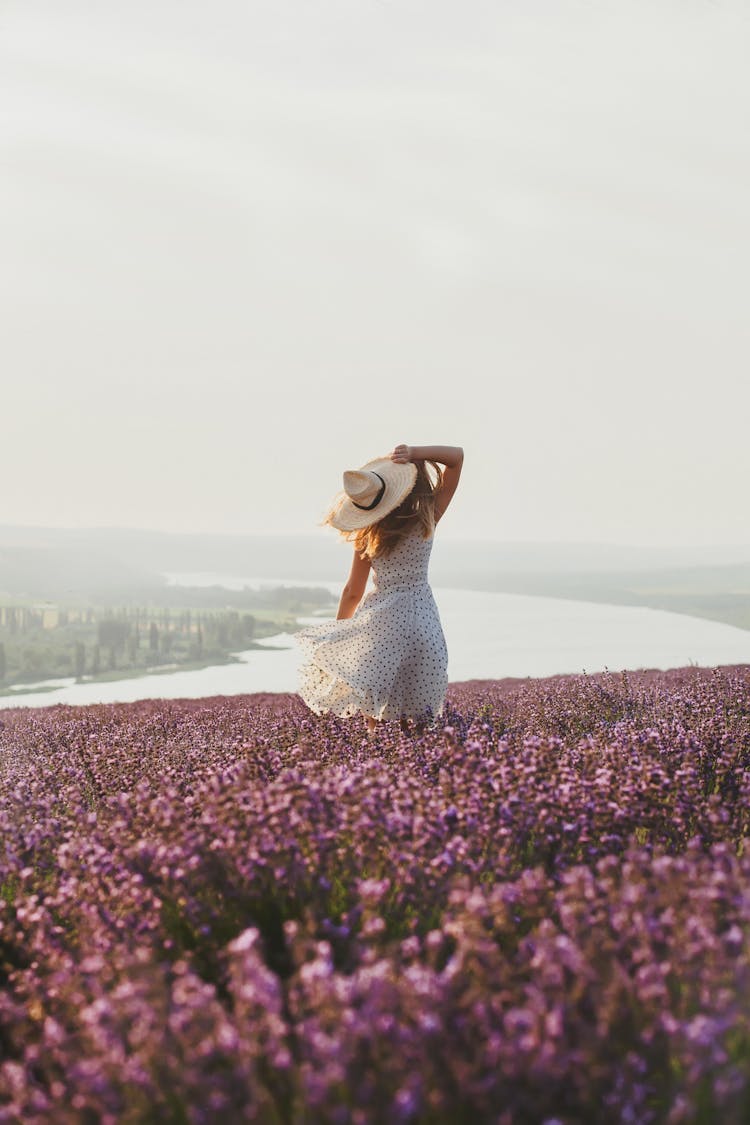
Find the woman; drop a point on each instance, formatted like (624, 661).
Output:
(385, 656)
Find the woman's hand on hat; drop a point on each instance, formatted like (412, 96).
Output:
(401, 454)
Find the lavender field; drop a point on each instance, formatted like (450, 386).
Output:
(227, 909)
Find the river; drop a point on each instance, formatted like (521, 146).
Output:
(489, 635)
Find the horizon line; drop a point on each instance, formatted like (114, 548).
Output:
(321, 531)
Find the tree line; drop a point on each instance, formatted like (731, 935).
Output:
(123, 639)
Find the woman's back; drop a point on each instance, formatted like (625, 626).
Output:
(405, 566)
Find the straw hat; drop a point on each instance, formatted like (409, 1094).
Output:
(371, 492)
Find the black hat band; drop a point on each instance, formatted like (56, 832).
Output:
(378, 498)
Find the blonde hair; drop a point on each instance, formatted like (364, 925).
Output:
(416, 511)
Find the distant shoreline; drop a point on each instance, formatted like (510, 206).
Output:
(115, 675)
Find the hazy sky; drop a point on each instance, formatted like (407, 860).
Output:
(247, 244)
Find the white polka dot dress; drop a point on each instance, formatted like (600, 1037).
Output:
(390, 659)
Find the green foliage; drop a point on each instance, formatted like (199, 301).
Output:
(107, 640)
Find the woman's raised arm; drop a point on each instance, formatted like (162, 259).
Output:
(452, 456)
(449, 455)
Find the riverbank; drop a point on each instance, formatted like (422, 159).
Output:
(135, 674)
(115, 676)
